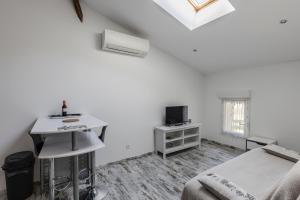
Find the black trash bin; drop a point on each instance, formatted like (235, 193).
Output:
(18, 169)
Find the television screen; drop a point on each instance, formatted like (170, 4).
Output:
(176, 115)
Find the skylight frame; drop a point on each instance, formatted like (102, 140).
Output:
(184, 12)
(197, 6)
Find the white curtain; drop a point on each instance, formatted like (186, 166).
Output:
(235, 116)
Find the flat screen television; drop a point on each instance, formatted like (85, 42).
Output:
(176, 115)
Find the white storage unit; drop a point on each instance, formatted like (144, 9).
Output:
(169, 139)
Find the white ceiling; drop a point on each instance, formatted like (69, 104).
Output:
(249, 37)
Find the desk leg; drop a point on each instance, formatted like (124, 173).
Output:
(74, 141)
(93, 164)
(51, 180)
(75, 168)
(75, 178)
(42, 176)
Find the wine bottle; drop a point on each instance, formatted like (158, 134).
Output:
(64, 109)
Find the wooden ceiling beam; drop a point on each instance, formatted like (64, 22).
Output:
(78, 9)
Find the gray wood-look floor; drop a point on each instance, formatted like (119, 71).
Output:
(149, 177)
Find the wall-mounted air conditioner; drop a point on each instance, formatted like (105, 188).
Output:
(125, 44)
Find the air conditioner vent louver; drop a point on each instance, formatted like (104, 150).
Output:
(126, 44)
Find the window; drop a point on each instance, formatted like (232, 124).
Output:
(200, 4)
(236, 117)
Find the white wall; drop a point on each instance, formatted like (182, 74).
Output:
(47, 55)
(275, 110)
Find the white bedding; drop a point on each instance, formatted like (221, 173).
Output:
(256, 171)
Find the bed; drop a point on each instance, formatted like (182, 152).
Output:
(255, 171)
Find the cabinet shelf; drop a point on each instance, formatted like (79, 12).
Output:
(193, 135)
(191, 131)
(175, 139)
(181, 147)
(173, 144)
(191, 140)
(172, 139)
(191, 144)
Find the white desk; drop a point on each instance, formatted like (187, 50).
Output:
(46, 125)
(68, 139)
(59, 146)
(260, 141)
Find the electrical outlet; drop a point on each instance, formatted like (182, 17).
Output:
(127, 147)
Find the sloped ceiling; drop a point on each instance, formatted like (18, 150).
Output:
(249, 37)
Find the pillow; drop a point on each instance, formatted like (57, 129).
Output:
(289, 187)
(223, 189)
(282, 152)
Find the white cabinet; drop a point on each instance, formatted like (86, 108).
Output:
(169, 139)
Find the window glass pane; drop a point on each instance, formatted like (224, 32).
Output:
(234, 116)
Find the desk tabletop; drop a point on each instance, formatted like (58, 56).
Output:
(60, 146)
(47, 125)
(262, 140)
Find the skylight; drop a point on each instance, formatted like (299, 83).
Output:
(195, 13)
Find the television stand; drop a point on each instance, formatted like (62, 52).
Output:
(174, 125)
(169, 139)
